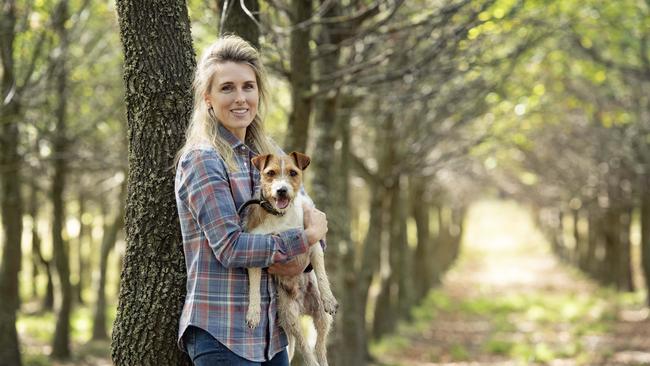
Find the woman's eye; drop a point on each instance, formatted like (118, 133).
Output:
(270, 173)
(293, 173)
(226, 88)
(249, 87)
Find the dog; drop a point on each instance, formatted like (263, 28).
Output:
(280, 209)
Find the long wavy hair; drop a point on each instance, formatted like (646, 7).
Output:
(203, 127)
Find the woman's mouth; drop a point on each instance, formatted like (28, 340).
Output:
(239, 111)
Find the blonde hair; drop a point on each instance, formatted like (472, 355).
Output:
(203, 127)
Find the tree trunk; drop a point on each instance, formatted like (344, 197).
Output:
(645, 231)
(10, 195)
(108, 242)
(457, 230)
(370, 264)
(235, 20)
(422, 261)
(581, 244)
(444, 249)
(405, 287)
(36, 239)
(300, 78)
(624, 276)
(48, 300)
(330, 189)
(81, 261)
(387, 311)
(558, 234)
(594, 240)
(612, 246)
(159, 63)
(60, 145)
(437, 245)
(350, 338)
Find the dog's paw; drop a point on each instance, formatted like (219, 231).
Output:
(253, 318)
(330, 304)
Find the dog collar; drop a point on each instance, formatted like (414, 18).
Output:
(266, 205)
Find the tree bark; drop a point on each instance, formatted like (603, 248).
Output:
(301, 78)
(159, 64)
(10, 195)
(234, 20)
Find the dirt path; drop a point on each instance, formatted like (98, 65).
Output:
(509, 302)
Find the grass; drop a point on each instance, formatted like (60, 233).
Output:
(36, 332)
(523, 326)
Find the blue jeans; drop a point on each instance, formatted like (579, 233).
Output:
(205, 350)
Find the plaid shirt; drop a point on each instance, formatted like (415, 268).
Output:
(217, 252)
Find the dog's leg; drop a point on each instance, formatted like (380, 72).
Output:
(318, 263)
(289, 314)
(322, 322)
(254, 306)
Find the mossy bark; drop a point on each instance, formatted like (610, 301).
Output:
(158, 66)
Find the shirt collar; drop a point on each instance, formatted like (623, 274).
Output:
(232, 140)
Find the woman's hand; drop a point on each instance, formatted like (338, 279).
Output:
(315, 223)
(290, 268)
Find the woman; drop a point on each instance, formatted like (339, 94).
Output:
(214, 178)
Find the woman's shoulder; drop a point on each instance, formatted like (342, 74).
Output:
(200, 153)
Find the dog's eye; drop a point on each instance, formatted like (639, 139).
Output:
(270, 173)
(293, 173)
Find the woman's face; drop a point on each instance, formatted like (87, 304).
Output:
(234, 96)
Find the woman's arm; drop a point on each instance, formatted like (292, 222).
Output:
(205, 190)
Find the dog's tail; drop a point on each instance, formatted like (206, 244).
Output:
(292, 346)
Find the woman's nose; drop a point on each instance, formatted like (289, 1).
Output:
(239, 98)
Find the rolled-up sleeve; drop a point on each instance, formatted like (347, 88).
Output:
(205, 189)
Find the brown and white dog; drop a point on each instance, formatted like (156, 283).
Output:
(280, 209)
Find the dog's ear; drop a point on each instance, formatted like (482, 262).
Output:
(260, 161)
(302, 160)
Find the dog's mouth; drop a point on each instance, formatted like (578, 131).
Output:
(282, 202)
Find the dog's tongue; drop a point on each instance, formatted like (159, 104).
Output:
(282, 202)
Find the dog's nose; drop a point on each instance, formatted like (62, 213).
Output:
(282, 191)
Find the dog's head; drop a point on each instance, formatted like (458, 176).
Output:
(281, 177)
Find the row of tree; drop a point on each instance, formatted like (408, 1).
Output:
(582, 151)
(387, 93)
(61, 147)
(407, 108)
